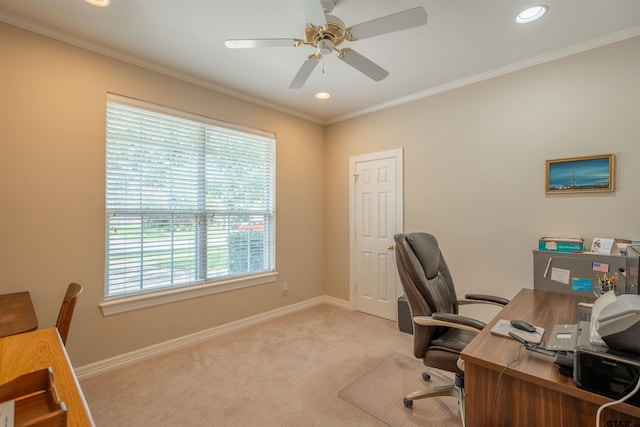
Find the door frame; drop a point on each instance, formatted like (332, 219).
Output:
(396, 154)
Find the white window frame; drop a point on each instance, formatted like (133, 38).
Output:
(167, 294)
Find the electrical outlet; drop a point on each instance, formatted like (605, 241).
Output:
(285, 289)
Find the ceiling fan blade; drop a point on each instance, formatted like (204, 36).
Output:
(314, 12)
(362, 64)
(388, 24)
(305, 71)
(248, 43)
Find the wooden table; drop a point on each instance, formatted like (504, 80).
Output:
(32, 351)
(17, 314)
(531, 391)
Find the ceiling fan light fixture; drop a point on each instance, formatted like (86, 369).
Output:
(323, 95)
(99, 3)
(325, 46)
(531, 14)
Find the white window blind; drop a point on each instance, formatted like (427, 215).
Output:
(188, 199)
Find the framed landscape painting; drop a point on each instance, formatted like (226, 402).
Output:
(581, 174)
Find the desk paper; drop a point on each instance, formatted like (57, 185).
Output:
(560, 275)
(603, 246)
(7, 410)
(503, 327)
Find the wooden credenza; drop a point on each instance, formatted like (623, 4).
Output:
(506, 385)
(33, 351)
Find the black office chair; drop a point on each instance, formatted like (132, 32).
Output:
(439, 332)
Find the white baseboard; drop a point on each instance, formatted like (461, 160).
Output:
(120, 361)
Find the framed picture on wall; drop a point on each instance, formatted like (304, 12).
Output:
(581, 174)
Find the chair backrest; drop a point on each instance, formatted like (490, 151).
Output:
(66, 310)
(427, 283)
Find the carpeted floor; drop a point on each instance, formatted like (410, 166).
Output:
(285, 372)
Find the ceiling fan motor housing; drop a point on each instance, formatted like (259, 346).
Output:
(320, 36)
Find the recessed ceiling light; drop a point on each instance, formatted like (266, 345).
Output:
(531, 14)
(323, 95)
(100, 3)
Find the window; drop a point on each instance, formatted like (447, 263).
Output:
(189, 200)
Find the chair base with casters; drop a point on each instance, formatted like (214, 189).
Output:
(453, 388)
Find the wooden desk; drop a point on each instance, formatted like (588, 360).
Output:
(531, 391)
(17, 314)
(31, 351)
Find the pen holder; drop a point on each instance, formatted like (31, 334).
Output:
(605, 284)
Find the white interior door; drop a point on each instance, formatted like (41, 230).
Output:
(376, 217)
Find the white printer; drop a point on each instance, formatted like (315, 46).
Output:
(619, 323)
(607, 353)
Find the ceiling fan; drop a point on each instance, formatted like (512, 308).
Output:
(326, 33)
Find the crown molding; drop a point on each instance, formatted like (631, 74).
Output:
(149, 65)
(122, 56)
(551, 56)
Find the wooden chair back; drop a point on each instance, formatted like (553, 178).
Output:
(66, 310)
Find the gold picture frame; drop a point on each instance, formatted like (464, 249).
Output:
(588, 174)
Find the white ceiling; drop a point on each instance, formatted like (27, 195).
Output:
(464, 41)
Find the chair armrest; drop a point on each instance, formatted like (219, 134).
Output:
(450, 320)
(483, 299)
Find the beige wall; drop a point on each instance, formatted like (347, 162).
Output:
(474, 176)
(474, 165)
(52, 157)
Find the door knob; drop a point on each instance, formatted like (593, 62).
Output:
(391, 247)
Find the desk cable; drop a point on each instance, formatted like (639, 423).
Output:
(495, 394)
(627, 396)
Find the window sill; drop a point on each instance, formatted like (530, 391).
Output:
(135, 302)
